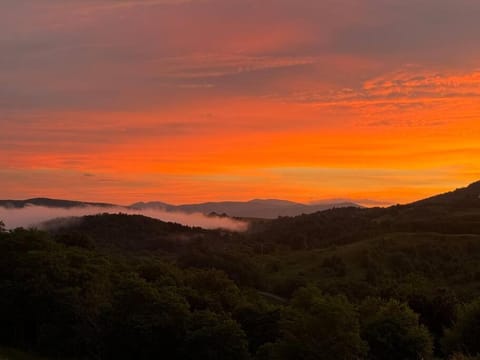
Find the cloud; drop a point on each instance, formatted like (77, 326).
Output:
(412, 95)
(114, 54)
(408, 82)
(216, 65)
(122, 4)
(34, 216)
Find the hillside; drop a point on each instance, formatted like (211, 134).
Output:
(463, 198)
(128, 232)
(456, 212)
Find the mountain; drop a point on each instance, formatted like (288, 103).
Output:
(258, 208)
(56, 203)
(467, 199)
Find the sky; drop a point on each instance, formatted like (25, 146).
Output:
(186, 101)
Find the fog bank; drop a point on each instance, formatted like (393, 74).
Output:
(34, 216)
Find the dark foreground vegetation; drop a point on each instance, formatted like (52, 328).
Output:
(397, 283)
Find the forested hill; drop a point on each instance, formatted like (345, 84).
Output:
(129, 232)
(456, 212)
(464, 198)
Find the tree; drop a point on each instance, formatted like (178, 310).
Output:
(437, 310)
(318, 327)
(76, 239)
(335, 265)
(260, 323)
(50, 295)
(144, 322)
(393, 331)
(211, 290)
(2, 226)
(211, 337)
(464, 335)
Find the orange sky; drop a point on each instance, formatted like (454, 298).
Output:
(186, 101)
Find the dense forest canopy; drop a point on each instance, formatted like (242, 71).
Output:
(348, 283)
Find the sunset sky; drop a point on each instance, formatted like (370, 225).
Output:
(185, 101)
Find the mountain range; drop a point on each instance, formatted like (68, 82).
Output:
(258, 208)
(465, 198)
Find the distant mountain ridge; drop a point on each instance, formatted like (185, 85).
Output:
(257, 208)
(467, 197)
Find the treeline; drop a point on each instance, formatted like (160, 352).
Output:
(62, 297)
(67, 301)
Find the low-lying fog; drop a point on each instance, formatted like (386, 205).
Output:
(34, 216)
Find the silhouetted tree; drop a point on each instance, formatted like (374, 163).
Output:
(318, 327)
(465, 334)
(393, 331)
(213, 337)
(260, 323)
(144, 322)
